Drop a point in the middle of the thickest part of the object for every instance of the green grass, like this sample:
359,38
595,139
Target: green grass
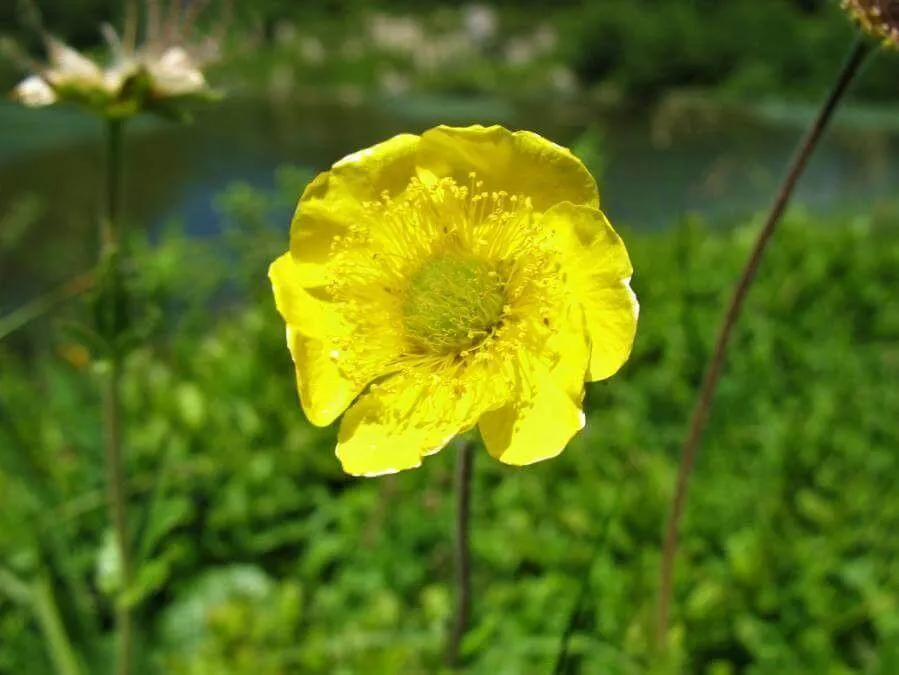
258,556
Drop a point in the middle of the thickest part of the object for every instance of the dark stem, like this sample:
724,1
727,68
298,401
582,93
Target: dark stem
112,404
461,552
850,68
109,223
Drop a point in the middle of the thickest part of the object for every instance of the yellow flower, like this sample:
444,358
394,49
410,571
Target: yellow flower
458,278
879,18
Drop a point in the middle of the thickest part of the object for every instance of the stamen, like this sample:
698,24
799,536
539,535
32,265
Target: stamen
442,276
453,301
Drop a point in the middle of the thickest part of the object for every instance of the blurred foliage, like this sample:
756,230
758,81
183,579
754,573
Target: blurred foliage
786,48
633,52
475,50
256,556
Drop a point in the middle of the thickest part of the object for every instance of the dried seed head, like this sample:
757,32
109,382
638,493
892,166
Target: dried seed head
879,18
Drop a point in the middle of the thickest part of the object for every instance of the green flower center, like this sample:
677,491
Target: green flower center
452,302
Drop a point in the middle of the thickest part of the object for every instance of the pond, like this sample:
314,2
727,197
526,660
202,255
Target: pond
657,168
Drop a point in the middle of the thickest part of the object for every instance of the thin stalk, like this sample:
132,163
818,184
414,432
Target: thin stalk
110,222
857,53
115,476
112,404
461,552
41,305
63,655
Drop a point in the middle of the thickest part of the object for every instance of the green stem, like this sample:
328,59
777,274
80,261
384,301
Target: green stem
461,552
109,223
115,476
859,50
110,263
61,652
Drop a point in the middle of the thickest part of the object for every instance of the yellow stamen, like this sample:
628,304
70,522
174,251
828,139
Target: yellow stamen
452,302
442,275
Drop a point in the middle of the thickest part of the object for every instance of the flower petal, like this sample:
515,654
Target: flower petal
570,342
334,201
68,66
34,92
175,73
324,392
387,166
519,163
306,313
397,422
599,272
585,235
611,315
311,326
540,423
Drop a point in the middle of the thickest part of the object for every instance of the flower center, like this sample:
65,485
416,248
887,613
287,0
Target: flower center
453,301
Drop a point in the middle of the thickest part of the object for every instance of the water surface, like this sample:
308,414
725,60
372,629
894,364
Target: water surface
654,172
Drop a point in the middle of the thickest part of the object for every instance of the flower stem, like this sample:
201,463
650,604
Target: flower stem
461,553
849,70
41,305
63,656
115,476
109,223
110,328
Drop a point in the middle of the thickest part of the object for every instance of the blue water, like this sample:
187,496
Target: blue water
652,173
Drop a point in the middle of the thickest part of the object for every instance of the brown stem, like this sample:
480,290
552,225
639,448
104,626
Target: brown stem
850,68
462,554
41,305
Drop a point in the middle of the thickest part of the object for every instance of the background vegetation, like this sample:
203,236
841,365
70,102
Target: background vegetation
264,559
259,557
623,52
